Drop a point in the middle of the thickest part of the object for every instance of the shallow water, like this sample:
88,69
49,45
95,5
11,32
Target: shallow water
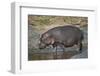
72,53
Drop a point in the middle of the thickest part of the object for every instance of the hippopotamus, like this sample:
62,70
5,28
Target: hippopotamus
63,36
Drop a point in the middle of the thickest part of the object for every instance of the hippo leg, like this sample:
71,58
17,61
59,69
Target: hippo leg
80,47
55,47
63,49
63,55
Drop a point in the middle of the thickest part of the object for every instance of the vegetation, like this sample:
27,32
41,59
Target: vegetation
42,21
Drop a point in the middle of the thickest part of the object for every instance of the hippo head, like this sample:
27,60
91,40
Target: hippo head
45,40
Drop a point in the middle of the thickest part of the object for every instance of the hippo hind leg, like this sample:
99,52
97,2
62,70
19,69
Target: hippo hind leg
80,47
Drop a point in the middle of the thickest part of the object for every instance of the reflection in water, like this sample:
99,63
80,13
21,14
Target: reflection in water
60,55
46,56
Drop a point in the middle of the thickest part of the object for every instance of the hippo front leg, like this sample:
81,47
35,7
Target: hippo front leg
63,51
55,48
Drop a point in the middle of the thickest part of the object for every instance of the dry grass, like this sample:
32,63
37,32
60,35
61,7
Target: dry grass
42,21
